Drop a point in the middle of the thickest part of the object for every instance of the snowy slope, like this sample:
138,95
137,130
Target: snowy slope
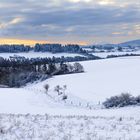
38,54
102,79
21,101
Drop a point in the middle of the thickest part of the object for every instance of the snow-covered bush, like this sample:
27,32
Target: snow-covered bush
78,67
70,68
122,100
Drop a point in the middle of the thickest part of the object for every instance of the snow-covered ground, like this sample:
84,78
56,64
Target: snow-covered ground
38,54
105,54
102,79
23,101
38,127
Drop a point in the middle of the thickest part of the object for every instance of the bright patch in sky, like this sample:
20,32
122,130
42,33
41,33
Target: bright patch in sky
106,2
75,1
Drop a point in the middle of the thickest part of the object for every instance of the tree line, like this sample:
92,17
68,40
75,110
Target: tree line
17,61
53,48
19,71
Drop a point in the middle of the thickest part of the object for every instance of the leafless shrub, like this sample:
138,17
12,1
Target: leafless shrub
46,87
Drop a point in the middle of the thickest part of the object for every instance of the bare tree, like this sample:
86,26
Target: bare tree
46,87
58,90
64,89
61,91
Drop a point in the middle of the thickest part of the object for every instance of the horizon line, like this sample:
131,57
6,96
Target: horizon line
13,41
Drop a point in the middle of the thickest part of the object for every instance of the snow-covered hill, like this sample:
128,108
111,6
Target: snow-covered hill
131,44
102,79
134,43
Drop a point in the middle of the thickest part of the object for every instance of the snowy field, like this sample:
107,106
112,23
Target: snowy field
38,54
38,127
82,115
105,54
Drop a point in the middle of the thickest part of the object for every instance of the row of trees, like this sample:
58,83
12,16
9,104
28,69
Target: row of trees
58,48
123,55
110,48
14,48
21,61
54,48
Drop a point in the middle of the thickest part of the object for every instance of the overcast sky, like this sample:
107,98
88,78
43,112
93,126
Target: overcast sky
84,21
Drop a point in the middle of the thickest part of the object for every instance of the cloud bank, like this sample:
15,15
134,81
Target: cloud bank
70,20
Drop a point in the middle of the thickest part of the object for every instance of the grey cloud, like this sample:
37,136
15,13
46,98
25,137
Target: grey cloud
64,19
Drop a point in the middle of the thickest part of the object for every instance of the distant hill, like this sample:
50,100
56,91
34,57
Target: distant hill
134,43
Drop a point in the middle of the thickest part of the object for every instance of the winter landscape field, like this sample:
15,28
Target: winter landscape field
82,115
69,69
